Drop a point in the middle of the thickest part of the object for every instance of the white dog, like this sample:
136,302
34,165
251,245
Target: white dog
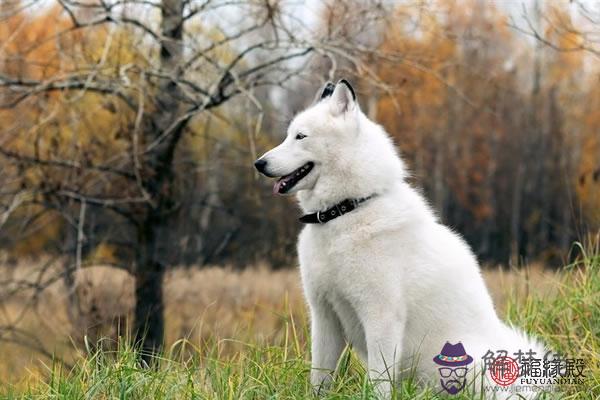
379,271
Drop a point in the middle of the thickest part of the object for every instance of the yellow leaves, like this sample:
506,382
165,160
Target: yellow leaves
220,54
30,44
588,187
564,36
79,127
39,227
463,83
103,254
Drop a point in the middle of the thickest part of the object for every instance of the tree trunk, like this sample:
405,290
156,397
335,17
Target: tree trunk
149,305
159,182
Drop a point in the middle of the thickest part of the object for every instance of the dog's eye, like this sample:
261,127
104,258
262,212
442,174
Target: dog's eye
300,136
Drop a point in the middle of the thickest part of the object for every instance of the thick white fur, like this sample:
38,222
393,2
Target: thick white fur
386,278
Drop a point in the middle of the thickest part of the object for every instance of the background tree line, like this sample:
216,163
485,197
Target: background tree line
129,127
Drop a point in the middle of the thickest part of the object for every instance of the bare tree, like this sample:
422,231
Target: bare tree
187,59
581,28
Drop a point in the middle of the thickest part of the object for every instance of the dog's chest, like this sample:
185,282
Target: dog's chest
328,262
330,279
327,259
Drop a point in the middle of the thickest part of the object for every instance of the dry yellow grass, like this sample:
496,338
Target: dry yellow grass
201,304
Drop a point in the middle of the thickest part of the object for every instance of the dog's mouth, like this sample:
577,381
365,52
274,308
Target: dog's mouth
287,182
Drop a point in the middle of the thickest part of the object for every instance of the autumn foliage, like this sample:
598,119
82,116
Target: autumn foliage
501,131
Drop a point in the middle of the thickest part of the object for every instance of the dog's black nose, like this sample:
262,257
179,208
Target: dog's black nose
260,165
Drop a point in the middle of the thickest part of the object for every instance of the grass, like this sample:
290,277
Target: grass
278,367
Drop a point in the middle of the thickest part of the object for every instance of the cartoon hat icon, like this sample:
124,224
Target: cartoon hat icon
453,355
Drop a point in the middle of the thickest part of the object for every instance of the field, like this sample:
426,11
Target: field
130,132
244,335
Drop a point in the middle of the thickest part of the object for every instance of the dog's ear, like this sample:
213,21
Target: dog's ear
343,98
324,92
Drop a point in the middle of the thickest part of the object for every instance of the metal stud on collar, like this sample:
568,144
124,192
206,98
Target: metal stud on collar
319,217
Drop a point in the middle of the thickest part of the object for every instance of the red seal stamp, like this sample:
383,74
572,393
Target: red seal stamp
504,371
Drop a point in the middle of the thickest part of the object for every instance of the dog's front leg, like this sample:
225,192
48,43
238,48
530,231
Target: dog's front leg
384,340
327,345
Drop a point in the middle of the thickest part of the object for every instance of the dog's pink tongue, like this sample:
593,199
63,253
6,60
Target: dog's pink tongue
277,186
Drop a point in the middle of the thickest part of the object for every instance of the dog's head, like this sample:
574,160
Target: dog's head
315,140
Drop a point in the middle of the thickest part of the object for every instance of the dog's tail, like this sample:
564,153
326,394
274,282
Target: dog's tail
529,352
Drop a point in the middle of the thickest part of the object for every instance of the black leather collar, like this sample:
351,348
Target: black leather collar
341,208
